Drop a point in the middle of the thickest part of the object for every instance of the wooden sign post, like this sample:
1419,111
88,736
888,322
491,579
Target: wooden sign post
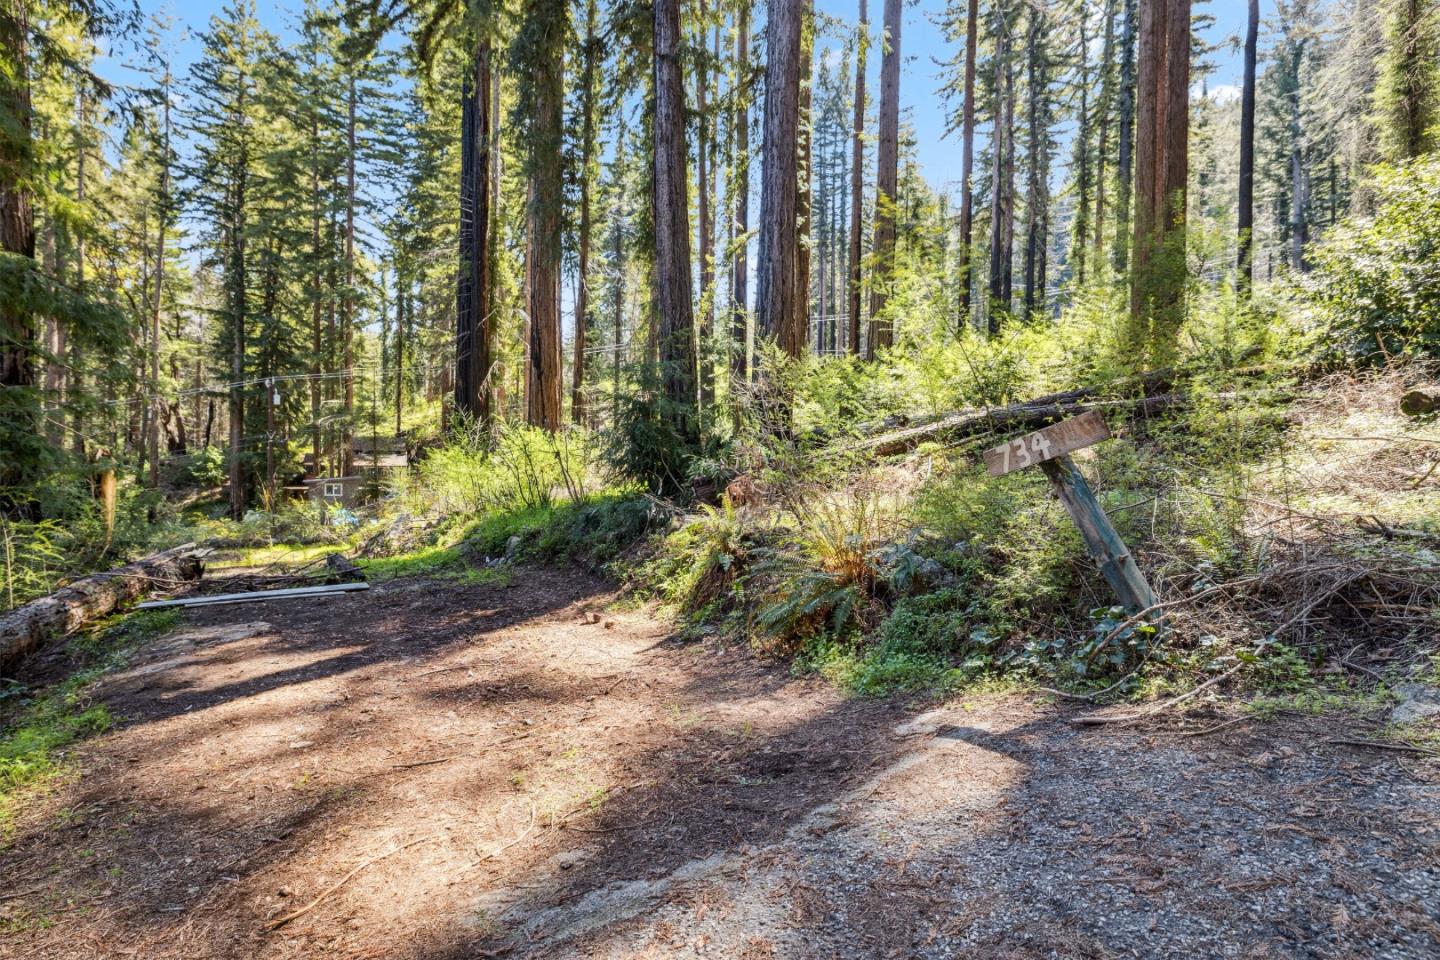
1049,449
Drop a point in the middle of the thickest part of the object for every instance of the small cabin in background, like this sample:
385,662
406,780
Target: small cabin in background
340,491
380,453
375,458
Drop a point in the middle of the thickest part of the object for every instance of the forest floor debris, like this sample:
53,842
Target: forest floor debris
710,805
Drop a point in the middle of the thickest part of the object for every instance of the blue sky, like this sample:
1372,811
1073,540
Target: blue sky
922,46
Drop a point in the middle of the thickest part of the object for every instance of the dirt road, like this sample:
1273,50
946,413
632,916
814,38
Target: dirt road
430,770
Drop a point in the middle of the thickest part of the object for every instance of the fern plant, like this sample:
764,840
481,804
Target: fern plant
829,570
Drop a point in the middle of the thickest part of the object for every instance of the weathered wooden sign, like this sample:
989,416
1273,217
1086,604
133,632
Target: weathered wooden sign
1053,441
1049,449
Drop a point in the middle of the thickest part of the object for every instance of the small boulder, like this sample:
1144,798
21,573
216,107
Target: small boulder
1420,400
1417,701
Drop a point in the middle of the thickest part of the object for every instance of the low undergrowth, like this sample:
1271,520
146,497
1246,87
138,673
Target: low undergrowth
1256,532
594,531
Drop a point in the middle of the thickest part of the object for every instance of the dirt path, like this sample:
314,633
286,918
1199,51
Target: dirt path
518,771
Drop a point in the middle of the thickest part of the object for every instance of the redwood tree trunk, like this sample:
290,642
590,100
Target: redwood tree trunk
797,340
587,159
887,175
347,439
1102,120
1245,216
669,181
1001,184
967,163
1125,147
739,316
19,422
546,188
777,286
857,181
705,227
1161,157
316,313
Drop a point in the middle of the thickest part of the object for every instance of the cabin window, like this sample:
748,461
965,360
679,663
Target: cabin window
334,490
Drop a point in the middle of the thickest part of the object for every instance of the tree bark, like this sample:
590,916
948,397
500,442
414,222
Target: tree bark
776,283
1102,118
544,397
75,385
1001,179
967,165
857,182
1081,229
1299,181
618,267
19,421
669,181
163,214
1161,157
705,228
739,315
347,439
402,326
1245,216
1037,91
578,411
238,309
317,337
887,175
804,228
1124,162
1030,414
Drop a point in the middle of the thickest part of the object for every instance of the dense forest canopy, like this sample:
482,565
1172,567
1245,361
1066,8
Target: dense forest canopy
231,247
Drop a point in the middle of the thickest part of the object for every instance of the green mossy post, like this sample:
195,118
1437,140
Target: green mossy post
1102,541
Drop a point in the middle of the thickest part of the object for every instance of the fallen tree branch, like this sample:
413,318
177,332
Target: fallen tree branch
1095,721
277,924
25,629
1383,745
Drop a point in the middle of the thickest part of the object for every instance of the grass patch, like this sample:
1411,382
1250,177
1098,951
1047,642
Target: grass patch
38,726
431,561
595,531
288,554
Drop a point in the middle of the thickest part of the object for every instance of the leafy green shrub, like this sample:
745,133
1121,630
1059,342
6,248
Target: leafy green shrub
1375,279
644,447
31,559
204,468
518,467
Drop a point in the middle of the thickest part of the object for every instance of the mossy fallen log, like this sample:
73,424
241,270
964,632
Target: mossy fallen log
1030,415
25,629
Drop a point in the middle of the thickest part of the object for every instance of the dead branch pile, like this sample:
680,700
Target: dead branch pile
337,568
24,629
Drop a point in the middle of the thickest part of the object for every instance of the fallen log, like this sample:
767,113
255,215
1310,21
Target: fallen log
25,629
1149,383
1030,415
